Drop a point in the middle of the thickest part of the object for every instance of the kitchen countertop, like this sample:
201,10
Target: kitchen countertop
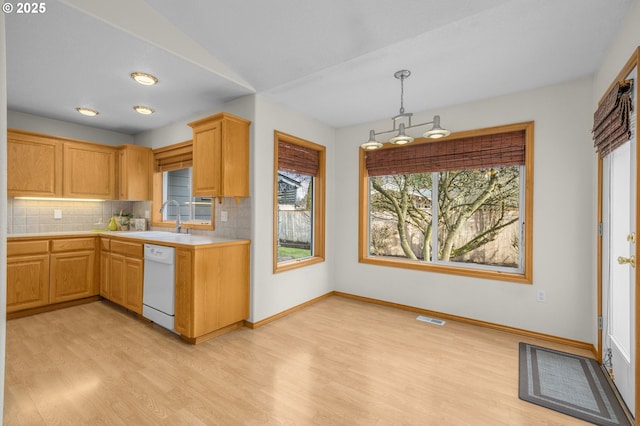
153,237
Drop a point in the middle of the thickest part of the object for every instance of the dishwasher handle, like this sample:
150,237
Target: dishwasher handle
159,254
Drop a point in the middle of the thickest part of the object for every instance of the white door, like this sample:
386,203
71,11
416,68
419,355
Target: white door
619,269
619,242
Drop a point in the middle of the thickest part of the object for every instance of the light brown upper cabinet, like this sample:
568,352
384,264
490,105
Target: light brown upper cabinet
34,165
221,156
47,166
135,165
89,171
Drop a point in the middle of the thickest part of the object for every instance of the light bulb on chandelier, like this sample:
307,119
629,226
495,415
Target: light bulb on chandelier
401,138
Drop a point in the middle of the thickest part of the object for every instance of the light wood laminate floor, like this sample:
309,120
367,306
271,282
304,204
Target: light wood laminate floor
338,361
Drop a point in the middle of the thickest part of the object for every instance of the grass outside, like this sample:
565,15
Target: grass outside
290,253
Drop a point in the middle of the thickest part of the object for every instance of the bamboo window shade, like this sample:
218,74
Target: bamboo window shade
475,152
294,158
174,157
611,121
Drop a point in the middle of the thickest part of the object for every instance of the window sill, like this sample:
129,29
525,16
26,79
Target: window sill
298,263
445,269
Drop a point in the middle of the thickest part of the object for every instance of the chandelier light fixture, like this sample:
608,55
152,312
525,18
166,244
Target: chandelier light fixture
402,122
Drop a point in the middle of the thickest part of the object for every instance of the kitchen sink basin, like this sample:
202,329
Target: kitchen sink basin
153,234
144,233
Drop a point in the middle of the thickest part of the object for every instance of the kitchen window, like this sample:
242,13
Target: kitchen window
299,175
462,205
172,180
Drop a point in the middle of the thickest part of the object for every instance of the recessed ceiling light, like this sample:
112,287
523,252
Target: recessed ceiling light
144,109
144,78
87,111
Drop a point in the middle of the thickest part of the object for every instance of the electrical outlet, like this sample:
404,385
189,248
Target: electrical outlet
224,216
146,214
541,296
57,213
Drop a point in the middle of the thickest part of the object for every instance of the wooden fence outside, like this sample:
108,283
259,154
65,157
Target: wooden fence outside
294,227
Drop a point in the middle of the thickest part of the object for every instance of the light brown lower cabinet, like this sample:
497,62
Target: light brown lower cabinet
133,284
27,274
45,274
105,266
125,274
73,269
212,290
183,293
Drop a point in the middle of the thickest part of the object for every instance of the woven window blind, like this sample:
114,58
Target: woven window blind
294,158
476,152
611,121
174,157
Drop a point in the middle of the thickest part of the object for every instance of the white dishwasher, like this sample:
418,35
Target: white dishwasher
158,297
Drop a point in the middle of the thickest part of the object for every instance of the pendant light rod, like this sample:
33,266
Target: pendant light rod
402,75
399,128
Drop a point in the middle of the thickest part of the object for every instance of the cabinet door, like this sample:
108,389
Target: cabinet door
233,296
34,165
117,270
133,285
183,294
135,172
221,156
235,157
89,171
207,159
72,276
27,282
105,265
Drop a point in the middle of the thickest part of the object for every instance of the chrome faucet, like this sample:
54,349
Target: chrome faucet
175,203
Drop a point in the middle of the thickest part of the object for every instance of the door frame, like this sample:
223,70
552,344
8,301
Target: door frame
634,61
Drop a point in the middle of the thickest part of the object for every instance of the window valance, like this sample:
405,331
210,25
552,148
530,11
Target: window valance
173,157
294,158
611,121
476,152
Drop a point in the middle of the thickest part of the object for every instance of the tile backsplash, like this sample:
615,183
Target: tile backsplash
33,216
36,216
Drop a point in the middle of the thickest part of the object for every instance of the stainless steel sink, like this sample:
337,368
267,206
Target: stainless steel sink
151,234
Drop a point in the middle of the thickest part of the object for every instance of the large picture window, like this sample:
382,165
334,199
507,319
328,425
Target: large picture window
298,202
461,205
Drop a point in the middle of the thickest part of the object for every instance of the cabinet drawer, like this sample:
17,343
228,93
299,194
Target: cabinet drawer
18,248
105,244
127,249
73,244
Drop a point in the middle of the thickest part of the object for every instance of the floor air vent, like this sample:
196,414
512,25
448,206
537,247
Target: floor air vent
430,320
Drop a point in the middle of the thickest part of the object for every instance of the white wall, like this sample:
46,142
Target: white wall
179,131
273,293
624,45
270,293
3,209
563,221
48,126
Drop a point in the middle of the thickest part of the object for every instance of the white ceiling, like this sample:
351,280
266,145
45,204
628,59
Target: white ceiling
332,60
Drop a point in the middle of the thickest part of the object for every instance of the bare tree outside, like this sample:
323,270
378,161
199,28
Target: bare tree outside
474,209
